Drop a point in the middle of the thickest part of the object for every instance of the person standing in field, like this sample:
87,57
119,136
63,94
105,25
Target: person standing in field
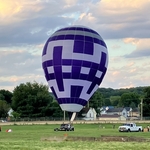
0,129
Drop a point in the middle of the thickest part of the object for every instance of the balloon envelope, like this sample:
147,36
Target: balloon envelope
74,61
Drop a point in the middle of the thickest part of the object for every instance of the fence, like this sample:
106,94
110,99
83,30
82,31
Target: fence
50,120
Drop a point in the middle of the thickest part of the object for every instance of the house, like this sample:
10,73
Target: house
129,111
134,114
114,114
89,114
117,111
111,113
10,112
111,117
104,109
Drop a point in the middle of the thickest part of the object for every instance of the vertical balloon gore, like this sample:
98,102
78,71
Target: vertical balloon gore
74,61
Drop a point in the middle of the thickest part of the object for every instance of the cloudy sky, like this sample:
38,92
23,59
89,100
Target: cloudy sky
25,26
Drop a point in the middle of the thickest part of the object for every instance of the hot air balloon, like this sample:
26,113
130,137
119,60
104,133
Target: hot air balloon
74,61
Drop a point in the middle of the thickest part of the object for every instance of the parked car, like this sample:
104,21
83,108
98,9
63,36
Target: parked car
3,120
65,127
130,127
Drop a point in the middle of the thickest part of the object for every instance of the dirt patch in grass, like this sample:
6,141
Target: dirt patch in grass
123,139
54,138
102,139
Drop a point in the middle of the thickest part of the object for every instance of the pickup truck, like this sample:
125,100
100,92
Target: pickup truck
130,127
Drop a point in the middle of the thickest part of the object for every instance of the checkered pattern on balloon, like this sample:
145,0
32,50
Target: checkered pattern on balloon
74,61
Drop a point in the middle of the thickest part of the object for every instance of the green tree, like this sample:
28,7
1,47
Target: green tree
133,105
31,100
56,110
4,108
106,102
7,95
128,98
146,102
2,97
15,115
115,100
96,101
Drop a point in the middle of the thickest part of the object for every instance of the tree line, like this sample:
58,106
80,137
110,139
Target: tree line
34,100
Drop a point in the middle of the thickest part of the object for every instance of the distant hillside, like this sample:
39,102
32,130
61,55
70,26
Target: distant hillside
107,92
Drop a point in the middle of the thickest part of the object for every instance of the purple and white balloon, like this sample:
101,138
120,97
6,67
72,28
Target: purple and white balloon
74,61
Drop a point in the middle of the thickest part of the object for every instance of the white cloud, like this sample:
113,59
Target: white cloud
119,18
131,73
142,48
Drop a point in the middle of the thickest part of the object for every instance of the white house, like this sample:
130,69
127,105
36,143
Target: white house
104,109
89,114
117,111
110,113
10,112
111,117
129,111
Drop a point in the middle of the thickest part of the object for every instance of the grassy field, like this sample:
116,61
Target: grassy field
29,137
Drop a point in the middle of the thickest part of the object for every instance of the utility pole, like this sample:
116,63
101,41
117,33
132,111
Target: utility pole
88,104
141,108
64,115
